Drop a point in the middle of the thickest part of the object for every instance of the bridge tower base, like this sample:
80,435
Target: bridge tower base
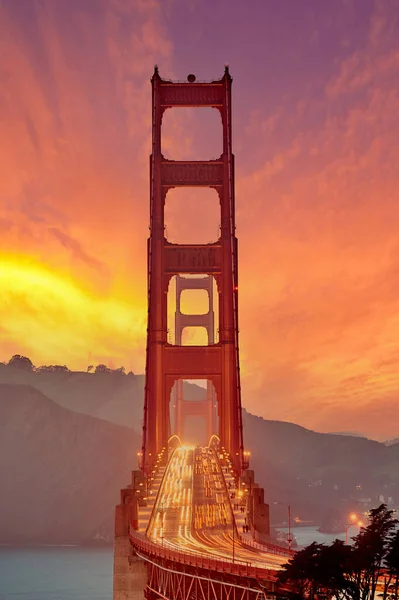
130,572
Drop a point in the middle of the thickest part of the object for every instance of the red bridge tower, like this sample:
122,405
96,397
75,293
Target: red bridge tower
217,362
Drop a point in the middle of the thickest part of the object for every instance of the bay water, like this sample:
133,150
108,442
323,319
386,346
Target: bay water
75,573
56,573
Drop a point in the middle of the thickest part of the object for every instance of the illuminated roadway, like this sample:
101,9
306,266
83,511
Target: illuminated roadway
193,511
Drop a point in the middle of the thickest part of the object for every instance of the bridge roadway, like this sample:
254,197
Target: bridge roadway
194,512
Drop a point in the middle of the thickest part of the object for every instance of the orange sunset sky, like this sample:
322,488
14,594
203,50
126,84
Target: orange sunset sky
316,140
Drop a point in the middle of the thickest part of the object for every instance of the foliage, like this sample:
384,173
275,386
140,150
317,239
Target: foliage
319,570
53,369
105,369
370,549
102,369
24,363
21,362
349,573
391,582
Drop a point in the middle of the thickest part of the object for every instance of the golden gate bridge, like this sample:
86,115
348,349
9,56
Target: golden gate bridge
192,523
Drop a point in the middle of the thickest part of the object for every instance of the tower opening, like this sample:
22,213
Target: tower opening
193,302
193,411
192,215
192,134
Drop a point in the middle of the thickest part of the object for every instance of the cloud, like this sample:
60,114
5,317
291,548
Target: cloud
316,141
323,214
76,249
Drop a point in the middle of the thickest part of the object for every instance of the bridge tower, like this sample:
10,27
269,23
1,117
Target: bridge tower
218,362
204,408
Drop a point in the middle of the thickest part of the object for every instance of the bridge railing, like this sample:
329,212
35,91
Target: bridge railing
157,497
199,560
267,547
262,547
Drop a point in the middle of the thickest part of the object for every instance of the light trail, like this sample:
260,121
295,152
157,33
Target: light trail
193,511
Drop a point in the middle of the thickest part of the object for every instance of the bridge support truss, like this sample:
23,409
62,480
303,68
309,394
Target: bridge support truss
217,362
167,580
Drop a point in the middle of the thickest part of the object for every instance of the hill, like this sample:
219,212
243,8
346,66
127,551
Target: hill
61,471
116,397
316,473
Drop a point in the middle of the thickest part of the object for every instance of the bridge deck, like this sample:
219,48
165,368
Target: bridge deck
193,519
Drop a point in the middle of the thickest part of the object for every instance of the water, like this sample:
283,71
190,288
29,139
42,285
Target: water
73,573
56,573
307,535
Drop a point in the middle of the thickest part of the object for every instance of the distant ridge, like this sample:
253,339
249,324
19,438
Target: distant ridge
392,442
351,433
61,470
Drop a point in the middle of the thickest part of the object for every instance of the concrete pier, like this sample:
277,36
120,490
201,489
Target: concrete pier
130,572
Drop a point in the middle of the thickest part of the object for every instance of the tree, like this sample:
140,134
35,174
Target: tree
299,572
391,584
370,550
102,369
21,362
333,571
105,369
321,571
53,369
349,573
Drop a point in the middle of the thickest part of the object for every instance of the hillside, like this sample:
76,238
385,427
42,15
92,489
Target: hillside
316,473
115,397
61,471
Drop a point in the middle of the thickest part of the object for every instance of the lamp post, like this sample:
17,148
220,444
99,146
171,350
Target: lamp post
233,534
289,539
162,511
354,521
135,507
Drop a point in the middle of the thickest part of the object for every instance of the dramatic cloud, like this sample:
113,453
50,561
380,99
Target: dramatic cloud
316,133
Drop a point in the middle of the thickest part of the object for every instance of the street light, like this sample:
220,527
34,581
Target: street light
289,539
135,507
233,533
354,521
162,511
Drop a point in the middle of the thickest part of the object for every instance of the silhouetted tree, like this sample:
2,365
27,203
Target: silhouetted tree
102,369
370,550
53,369
105,369
299,571
21,362
333,571
391,584
320,571
349,573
